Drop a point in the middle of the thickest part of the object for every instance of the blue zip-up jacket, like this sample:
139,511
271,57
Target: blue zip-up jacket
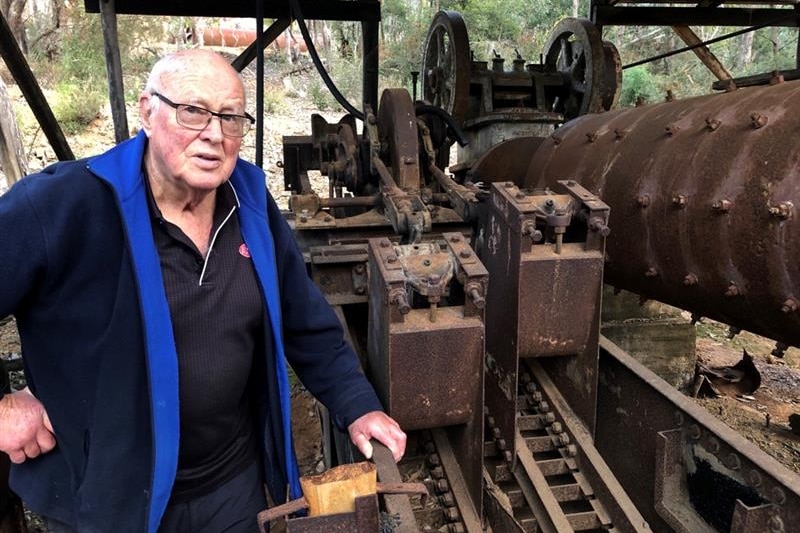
80,271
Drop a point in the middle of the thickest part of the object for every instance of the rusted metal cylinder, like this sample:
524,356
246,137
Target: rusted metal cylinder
704,197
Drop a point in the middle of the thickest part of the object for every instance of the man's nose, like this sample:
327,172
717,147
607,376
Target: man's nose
213,129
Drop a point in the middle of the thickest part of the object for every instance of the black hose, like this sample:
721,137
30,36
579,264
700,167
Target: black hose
427,109
298,15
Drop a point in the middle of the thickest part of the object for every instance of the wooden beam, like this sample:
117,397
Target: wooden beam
694,16
15,60
116,91
12,156
249,54
702,52
312,9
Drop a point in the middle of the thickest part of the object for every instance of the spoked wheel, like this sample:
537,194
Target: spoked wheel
446,64
590,68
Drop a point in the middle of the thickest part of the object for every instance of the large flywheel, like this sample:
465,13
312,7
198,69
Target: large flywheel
446,64
590,68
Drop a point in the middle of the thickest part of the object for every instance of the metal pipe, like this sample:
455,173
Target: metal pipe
704,196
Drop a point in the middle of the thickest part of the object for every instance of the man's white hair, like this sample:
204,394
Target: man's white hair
175,63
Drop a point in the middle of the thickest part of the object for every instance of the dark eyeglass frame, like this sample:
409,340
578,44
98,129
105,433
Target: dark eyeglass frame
222,116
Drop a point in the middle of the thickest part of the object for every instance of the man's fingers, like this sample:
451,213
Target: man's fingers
32,450
362,443
46,421
17,457
45,439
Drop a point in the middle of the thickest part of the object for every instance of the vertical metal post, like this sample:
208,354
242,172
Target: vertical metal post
369,50
116,91
259,84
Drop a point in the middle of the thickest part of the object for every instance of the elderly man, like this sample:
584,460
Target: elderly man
158,294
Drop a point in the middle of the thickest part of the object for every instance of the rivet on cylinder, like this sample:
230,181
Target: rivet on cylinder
722,206
690,279
782,210
778,496
556,140
734,463
620,134
790,305
672,129
712,124
732,290
591,137
679,201
757,120
643,200
651,272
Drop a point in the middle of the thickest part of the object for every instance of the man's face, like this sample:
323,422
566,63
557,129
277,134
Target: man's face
183,158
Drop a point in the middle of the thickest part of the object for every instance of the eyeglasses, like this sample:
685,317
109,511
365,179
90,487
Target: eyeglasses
198,118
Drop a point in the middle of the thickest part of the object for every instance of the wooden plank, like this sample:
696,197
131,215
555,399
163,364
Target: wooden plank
312,9
702,52
12,155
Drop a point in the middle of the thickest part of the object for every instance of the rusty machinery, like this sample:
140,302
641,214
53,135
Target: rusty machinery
473,296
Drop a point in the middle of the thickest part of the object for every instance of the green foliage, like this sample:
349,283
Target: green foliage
274,99
638,85
321,97
76,105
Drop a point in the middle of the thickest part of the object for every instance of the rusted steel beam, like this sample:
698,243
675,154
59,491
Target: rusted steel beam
637,448
711,232
15,60
702,52
396,504
116,91
470,516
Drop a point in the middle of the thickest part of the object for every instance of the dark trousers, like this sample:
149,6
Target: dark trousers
232,508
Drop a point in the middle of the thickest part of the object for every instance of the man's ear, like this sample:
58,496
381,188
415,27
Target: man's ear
145,112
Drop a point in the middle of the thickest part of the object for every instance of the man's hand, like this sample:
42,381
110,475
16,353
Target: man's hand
379,426
25,430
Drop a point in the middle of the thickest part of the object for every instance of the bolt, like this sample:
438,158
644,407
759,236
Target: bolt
754,477
563,439
732,290
651,272
591,137
549,418
778,496
757,120
672,129
544,406
620,134
501,444
643,200
776,78
571,183
442,485
433,459
490,421
679,201
694,432
303,219
392,259
530,387
775,524
690,280
782,210
536,396
437,472
447,499
713,445
572,450
734,463
678,418
712,124
508,456
509,185
451,513
360,268
599,225
455,238
496,432
723,206
371,119
556,427
790,305
520,195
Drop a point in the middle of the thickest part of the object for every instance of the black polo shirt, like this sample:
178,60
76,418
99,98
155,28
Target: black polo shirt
218,318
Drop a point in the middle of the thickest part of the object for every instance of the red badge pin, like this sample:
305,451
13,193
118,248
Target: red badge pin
244,251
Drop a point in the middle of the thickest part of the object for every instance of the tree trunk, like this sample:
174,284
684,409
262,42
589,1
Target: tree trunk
14,11
745,56
575,5
12,156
